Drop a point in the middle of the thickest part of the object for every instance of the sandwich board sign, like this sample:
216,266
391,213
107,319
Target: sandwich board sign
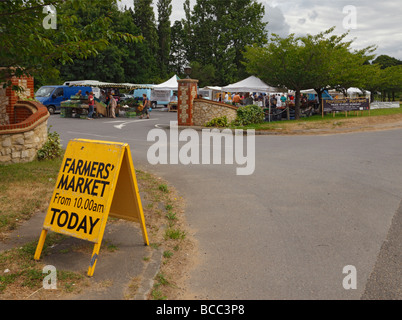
96,180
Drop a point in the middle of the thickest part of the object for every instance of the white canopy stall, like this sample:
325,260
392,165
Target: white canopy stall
164,92
170,84
250,84
209,92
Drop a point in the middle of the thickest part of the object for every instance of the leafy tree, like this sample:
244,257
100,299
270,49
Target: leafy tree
26,47
218,32
313,61
164,35
177,57
205,74
389,79
284,62
144,18
392,81
350,68
386,61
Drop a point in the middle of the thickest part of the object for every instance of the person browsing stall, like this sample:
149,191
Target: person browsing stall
112,105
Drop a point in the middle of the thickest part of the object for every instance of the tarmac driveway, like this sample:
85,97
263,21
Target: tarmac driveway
313,205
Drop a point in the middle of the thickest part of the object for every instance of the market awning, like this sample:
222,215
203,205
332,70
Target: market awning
170,84
251,84
99,84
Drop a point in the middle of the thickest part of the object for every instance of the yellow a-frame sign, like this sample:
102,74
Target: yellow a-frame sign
96,180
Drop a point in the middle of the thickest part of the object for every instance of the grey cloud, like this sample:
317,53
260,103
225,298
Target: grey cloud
276,20
313,15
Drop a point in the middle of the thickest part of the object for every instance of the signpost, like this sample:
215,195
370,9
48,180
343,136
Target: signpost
347,104
96,180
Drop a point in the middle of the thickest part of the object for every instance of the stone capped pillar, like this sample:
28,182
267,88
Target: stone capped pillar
187,92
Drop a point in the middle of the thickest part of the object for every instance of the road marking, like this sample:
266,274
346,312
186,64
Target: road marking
120,126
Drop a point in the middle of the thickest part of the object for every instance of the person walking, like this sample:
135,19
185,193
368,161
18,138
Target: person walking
146,105
91,105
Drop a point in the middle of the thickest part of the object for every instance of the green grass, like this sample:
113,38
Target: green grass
25,188
27,273
328,118
163,188
35,171
174,234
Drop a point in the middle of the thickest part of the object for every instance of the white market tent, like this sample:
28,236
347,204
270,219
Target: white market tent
353,92
251,84
170,84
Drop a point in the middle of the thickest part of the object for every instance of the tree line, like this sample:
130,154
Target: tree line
222,41
100,40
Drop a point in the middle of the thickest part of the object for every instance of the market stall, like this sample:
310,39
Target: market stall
251,84
79,107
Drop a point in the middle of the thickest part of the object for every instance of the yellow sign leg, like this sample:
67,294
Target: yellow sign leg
41,242
94,258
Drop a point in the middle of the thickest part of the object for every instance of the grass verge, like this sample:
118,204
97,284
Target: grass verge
21,277
168,232
331,121
27,188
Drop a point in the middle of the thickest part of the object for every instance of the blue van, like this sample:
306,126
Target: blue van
51,96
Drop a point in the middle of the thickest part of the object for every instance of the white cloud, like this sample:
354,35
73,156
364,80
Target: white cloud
276,20
378,22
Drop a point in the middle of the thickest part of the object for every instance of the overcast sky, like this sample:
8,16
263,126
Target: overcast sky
369,21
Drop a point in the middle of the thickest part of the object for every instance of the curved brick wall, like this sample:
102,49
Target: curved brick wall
25,133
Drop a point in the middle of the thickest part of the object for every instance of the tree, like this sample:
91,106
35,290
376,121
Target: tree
350,68
392,81
164,35
386,61
313,61
177,57
41,50
284,62
218,32
389,82
144,18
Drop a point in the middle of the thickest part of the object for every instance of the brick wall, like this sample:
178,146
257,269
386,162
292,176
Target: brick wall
27,84
23,124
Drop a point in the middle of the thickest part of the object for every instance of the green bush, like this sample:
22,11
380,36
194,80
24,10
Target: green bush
248,115
52,148
218,122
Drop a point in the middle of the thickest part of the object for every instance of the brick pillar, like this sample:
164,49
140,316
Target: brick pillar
27,83
187,92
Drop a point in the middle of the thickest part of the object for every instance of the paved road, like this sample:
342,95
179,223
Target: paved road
313,205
